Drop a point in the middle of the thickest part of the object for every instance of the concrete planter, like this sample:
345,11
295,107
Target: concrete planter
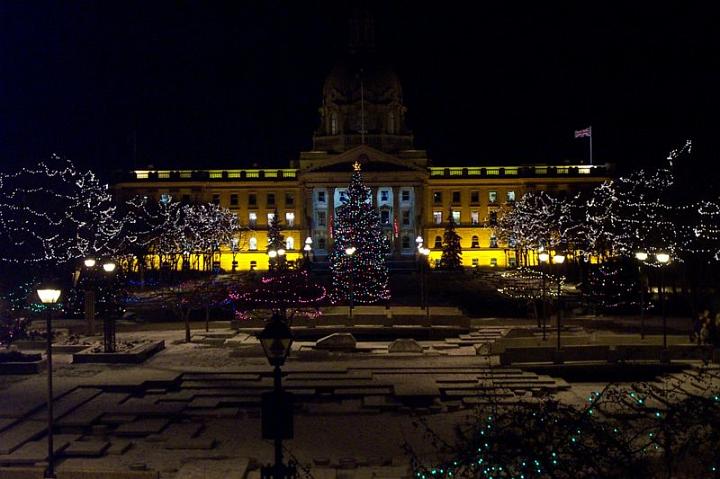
32,366
136,355
42,345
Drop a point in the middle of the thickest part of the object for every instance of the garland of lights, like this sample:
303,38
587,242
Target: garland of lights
363,275
281,289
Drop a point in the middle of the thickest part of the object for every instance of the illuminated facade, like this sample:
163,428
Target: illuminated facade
362,118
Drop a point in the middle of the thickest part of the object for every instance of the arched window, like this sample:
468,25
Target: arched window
289,243
493,242
475,242
253,243
333,123
438,242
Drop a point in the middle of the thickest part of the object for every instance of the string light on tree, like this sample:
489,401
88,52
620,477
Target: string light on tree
363,274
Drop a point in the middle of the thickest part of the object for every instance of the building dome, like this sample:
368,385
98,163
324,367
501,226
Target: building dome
380,83
362,104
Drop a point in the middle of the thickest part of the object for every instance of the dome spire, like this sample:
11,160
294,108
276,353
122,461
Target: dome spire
362,30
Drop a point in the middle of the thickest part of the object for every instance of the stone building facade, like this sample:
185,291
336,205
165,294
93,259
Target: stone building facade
363,118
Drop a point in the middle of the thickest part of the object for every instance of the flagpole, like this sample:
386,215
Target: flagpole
591,145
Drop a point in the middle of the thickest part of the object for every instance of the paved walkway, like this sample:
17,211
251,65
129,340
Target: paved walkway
194,409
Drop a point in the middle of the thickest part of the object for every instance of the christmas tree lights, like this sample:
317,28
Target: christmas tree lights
363,274
56,215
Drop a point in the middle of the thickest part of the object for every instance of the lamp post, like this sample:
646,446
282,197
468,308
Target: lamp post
419,243
544,257
641,256
109,342
663,259
234,249
49,295
272,255
90,295
307,249
425,252
276,340
558,259
350,251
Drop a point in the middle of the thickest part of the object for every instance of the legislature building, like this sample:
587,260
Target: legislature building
363,119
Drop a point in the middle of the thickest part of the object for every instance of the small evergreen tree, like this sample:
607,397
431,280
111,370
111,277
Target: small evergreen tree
275,237
451,258
364,274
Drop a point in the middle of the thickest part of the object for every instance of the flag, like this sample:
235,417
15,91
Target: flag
586,132
396,228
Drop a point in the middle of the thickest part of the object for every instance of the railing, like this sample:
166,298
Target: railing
250,174
522,171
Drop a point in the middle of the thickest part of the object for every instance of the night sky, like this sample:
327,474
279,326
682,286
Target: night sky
232,84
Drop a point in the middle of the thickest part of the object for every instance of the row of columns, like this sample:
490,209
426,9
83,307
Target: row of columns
396,241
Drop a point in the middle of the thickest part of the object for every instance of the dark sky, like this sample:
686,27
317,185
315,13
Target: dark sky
230,84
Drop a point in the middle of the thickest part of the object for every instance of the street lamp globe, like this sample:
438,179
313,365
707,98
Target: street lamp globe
544,257
109,267
662,258
641,256
559,259
48,294
281,252
350,250
276,340
89,262
308,240
419,241
307,247
425,251
272,253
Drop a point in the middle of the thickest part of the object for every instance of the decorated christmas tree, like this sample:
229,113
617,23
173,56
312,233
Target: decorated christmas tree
451,258
275,237
364,273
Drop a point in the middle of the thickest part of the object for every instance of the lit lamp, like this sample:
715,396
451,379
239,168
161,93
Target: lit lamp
419,241
49,295
350,250
544,257
308,241
281,252
109,267
89,263
663,259
558,258
641,256
307,248
272,254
